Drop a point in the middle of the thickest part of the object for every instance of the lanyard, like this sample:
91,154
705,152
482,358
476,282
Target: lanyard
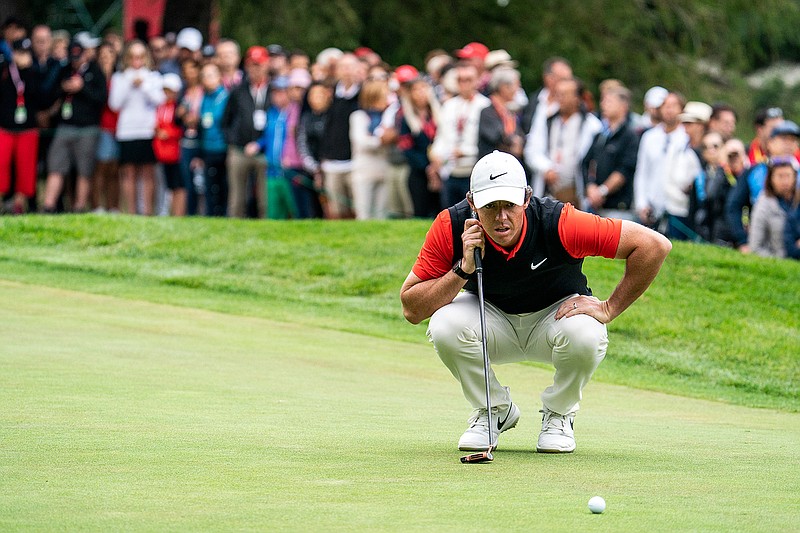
18,83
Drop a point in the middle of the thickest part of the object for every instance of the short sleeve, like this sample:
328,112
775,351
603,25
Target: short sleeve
584,234
435,258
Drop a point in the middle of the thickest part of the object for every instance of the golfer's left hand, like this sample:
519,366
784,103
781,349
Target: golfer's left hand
584,305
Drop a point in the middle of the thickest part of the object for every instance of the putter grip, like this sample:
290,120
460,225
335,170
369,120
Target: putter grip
478,260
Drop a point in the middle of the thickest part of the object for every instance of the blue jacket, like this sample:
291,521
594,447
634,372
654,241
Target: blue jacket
744,195
791,234
271,141
212,108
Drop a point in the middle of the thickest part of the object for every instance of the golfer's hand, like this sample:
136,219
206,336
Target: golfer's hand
584,305
472,238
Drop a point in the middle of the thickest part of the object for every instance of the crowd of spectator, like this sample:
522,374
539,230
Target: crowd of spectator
177,126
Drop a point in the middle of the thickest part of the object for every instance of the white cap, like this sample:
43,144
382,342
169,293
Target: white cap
85,39
497,58
189,38
498,177
170,80
696,112
329,54
655,96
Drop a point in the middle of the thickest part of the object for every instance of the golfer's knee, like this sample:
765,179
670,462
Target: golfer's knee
582,339
451,330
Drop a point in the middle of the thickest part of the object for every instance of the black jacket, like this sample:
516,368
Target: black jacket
8,97
336,141
616,153
237,120
491,132
88,103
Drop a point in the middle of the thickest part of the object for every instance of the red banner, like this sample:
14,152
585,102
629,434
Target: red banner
148,11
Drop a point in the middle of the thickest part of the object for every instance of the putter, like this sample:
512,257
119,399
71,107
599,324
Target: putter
482,457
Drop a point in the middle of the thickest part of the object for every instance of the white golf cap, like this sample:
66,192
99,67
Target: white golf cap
189,38
655,96
171,81
85,39
498,177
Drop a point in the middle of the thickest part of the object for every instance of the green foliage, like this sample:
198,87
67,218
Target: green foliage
713,324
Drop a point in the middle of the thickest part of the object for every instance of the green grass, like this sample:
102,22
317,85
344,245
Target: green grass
715,325
119,415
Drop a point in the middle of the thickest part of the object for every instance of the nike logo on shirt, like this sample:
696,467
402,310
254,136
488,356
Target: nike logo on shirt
537,265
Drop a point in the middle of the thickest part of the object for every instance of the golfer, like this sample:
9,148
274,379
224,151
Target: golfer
538,304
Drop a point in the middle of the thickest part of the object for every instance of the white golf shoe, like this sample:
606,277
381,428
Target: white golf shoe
476,437
557,435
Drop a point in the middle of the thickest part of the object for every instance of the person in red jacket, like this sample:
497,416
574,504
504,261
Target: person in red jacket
538,304
166,143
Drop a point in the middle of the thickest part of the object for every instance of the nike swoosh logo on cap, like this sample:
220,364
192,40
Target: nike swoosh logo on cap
537,265
495,177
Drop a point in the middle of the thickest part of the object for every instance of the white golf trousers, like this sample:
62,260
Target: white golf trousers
575,346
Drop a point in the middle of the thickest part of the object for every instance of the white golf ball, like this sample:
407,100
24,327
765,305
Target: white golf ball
597,504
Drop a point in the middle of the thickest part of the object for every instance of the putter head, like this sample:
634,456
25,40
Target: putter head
480,457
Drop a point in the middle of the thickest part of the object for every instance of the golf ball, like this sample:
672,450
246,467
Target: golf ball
597,505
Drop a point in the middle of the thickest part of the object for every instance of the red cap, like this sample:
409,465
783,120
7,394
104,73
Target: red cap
473,50
257,55
406,73
362,51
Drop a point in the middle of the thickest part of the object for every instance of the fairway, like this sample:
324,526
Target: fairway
118,414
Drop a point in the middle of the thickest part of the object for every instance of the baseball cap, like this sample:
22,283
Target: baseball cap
276,50
498,176
257,54
473,50
172,81
497,58
695,112
189,38
769,113
406,73
86,39
363,51
21,45
655,96
787,127
281,82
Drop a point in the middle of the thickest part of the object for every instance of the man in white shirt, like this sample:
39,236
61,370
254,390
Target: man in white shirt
660,149
556,147
455,149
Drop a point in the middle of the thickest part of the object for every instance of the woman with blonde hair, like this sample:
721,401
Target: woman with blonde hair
136,93
370,155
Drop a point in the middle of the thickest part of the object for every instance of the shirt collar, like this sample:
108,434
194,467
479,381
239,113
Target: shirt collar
510,254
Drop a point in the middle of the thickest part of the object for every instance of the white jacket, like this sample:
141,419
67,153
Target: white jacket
458,129
136,105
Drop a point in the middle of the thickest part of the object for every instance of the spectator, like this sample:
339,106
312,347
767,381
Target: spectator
280,202
105,182
766,119
81,89
708,194
659,147
695,117
499,125
610,163
335,148
60,51
324,66
212,141
135,93
558,145
20,100
723,121
163,63
13,30
768,220
188,113
437,62
46,67
475,54
455,148
310,133
418,117
791,234
228,56
398,201
167,143
783,142
298,59
651,117
244,121
370,154
542,103
278,61
114,39
301,183
189,43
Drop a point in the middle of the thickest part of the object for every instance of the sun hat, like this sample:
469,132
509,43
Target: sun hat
498,176
696,112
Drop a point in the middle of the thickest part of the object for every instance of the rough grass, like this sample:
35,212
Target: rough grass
714,325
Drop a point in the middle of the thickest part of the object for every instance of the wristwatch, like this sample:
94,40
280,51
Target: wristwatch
460,273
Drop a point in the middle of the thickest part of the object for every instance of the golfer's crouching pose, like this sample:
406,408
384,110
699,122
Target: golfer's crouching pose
538,304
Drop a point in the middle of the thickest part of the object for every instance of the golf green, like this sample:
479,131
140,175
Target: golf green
125,415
